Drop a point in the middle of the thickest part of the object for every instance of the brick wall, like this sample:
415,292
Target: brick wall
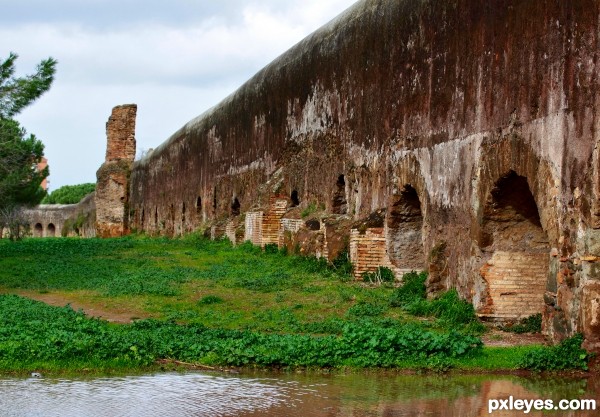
271,221
253,227
368,251
120,132
230,231
516,284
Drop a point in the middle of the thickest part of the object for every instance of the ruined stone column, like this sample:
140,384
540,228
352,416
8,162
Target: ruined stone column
112,196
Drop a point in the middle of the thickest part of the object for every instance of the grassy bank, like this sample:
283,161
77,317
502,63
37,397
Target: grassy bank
204,302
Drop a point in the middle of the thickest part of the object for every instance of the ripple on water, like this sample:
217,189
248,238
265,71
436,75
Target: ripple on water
153,395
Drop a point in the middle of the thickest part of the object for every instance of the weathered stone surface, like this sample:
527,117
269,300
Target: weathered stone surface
485,111
112,186
590,314
55,220
120,133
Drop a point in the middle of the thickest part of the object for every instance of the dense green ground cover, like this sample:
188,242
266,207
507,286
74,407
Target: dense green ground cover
215,304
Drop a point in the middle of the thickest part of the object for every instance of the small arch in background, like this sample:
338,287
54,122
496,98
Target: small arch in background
38,230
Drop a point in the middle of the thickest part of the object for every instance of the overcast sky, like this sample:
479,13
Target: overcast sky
173,58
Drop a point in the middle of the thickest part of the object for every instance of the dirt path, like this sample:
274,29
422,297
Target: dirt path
117,314
496,337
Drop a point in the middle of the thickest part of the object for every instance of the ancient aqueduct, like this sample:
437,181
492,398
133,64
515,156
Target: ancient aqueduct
461,137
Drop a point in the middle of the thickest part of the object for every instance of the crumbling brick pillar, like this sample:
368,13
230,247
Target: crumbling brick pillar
112,184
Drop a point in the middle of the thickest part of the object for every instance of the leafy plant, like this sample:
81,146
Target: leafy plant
32,331
365,309
567,355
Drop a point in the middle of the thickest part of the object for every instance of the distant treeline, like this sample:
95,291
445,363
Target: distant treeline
69,194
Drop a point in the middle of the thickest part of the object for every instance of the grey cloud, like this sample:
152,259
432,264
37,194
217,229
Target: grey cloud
110,14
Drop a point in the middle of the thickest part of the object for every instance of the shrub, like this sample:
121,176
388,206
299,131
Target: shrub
449,308
531,324
310,209
271,248
341,264
567,355
413,289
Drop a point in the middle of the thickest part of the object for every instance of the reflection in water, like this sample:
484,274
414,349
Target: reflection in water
196,394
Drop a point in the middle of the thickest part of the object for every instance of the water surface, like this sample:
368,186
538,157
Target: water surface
203,394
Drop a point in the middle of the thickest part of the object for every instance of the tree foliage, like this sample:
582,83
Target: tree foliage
18,93
69,194
20,178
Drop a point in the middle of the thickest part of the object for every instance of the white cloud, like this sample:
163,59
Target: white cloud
174,70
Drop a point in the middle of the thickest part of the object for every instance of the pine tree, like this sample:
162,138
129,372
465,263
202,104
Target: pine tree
20,153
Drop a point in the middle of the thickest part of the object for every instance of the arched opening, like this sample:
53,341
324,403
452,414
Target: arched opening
235,207
198,206
143,219
405,231
51,230
183,213
340,205
516,249
156,217
38,230
171,225
295,199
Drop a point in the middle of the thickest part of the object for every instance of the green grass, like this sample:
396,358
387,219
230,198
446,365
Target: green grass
216,304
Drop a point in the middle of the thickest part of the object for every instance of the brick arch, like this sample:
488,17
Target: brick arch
38,230
512,154
512,231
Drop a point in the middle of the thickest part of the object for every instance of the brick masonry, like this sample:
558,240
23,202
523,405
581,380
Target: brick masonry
271,222
112,186
368,251
517,283
253,227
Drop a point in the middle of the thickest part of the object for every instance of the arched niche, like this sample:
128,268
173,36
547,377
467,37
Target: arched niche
516,248
404,226
38,230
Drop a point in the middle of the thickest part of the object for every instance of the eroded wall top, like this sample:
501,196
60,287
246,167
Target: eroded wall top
120,133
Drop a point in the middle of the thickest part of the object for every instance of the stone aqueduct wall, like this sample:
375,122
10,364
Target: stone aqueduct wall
459,137
470,127
55,220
